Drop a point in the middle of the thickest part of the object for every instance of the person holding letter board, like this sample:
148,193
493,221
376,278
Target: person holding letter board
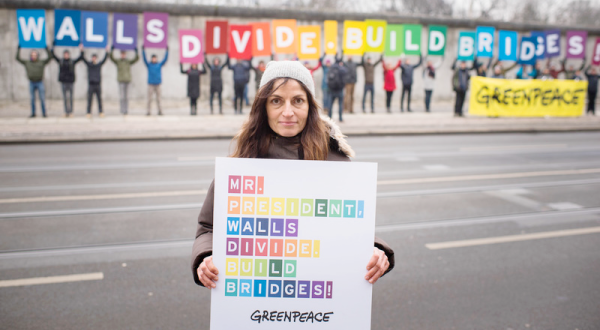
66,77
35,72
123,75
193,85
216,81
460,84
284,123
94,80
154,78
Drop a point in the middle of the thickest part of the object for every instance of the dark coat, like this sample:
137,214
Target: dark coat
66,68
94,74
281,148
216,81
193,85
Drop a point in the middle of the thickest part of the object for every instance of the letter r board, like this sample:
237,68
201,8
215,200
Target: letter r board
299,248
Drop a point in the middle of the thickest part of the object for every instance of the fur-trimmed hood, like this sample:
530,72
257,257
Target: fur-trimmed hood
336,135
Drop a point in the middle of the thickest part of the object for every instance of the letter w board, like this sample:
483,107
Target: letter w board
292,250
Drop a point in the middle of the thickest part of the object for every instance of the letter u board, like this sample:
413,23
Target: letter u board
292,250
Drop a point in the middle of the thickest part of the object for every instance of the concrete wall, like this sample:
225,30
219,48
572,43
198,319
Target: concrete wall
14,83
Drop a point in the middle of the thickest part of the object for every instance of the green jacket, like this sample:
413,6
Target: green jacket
124,67
35,70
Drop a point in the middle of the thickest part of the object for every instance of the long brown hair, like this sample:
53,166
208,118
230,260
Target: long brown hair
255,137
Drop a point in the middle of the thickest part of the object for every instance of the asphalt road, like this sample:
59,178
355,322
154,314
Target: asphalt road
490,232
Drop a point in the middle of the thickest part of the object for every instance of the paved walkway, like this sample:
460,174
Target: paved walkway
115,127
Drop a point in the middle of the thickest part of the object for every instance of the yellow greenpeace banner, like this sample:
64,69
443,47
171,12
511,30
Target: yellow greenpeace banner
527,98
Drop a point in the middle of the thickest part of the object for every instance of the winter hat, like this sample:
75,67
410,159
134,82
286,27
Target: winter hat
288,69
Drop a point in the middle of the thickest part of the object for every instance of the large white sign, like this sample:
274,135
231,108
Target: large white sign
291,241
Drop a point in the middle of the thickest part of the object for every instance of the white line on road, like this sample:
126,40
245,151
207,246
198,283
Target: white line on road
104,196
490,176
100,210
52,280
518,147
512,238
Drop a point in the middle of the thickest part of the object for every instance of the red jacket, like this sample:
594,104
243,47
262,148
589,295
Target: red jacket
389,79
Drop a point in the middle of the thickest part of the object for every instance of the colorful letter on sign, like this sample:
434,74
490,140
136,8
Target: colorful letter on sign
540,50
466,46
527,51
354,37
576,41
156,30
239,41
596,53
309,42
331,37
552,43
261,39
32,28
190,46
507,46
67,27
485,41
94,29
284,32
125,31
375,37
412,39
394,40
216,37
437,40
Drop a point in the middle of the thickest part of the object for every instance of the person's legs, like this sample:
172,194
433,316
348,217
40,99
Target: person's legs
365,89
593,101
149,104
246,95
591,108
220,101
32,89
239,96
340,98
122,87
402,98
460,98
351,105
64,92
326,101
194,105
409,89
70,101
372,91
89,99
210,100
347,97
330,100
99,98
42,93
388,100
427,99
157,88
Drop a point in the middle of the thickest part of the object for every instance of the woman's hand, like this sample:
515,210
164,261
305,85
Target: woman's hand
377,266
207,273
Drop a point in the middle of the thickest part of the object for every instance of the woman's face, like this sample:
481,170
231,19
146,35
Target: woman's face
287,108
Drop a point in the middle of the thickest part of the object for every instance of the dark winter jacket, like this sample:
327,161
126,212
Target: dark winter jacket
460,80
280,148
592,81
407,72
351,68
241,71
94,74
216,80
193,85
66,68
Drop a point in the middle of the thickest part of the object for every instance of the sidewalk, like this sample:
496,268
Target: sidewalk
178,124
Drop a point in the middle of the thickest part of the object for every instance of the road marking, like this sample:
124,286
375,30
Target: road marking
192,158
518,147
436,167
103,210
104,196
520,218
512,238
514,196
565,206
490,176
108,185
408,159
52,280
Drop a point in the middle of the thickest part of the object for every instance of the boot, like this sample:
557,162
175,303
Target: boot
388,110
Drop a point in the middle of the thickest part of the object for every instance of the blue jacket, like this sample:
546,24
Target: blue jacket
155,69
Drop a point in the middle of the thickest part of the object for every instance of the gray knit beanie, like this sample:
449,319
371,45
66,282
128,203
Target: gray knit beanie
288,69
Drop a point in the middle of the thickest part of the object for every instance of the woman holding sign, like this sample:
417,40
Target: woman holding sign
284,123
193,85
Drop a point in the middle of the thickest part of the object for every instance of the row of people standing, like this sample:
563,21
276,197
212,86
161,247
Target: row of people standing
34,68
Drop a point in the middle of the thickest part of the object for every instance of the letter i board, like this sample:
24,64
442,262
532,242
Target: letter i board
291,241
